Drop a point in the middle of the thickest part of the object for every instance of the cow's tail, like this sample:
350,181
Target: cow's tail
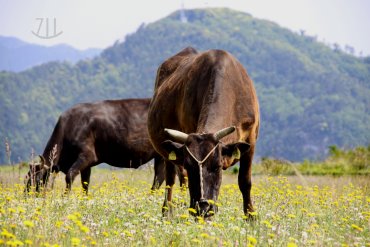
54,147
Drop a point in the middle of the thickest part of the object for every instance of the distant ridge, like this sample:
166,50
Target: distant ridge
17,55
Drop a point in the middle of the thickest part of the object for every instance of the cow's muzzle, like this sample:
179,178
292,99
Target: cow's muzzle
204,208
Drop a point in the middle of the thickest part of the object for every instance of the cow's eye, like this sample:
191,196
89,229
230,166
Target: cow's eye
214,168
190,164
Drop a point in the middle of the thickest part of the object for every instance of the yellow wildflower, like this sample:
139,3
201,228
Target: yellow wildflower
197,241
200,220
267,224
11,210
72,217
28,223
192,210
253,213
21,210
75,241
58,223
127,233
28,242
252,240
356,227
84,229
291,244
152,240
7,234
291,216
184,216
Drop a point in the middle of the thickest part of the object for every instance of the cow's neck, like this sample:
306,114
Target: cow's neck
217,111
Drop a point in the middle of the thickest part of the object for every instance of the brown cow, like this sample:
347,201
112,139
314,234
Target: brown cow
112,132
207,105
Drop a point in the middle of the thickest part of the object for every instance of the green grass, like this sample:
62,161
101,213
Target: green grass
339,162
120,210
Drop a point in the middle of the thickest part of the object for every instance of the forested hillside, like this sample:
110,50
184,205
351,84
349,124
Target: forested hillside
310,95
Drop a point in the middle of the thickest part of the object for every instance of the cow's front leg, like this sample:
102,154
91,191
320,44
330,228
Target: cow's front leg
245,181
85,179
159,172
167,209
84,161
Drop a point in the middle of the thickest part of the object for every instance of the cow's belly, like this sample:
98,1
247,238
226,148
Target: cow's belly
127,162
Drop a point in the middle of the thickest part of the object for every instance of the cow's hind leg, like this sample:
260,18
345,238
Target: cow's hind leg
167,209
84,160
183,177
159,173
85,178
245,180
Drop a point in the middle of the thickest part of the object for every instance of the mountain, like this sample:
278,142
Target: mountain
16,55
310,96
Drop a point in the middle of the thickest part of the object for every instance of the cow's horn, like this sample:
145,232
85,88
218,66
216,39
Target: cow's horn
224,132
42,160
177,135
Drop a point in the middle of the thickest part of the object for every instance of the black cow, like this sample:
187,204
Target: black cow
204,116
111,131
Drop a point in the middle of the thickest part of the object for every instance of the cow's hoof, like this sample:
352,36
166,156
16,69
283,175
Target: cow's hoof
167,211
250,216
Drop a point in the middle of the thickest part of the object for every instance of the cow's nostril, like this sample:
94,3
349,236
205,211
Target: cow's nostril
204,203
202,207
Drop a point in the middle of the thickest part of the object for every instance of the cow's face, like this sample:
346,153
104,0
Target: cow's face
202,161
203,156
37,175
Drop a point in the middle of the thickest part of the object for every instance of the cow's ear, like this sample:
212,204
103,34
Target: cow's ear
42,160
174,151
43,164
235,150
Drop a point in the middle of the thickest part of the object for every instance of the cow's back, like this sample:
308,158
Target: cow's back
115,129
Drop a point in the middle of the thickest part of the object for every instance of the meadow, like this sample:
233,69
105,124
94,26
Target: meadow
120,210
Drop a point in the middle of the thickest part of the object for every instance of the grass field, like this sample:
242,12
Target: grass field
120,210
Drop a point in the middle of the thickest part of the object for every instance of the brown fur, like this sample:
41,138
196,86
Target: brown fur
111,131
201,93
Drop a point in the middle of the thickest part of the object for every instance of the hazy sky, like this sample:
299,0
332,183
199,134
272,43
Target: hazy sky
98,23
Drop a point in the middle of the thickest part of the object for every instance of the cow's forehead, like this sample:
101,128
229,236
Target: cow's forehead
201,147
201,144
204,137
